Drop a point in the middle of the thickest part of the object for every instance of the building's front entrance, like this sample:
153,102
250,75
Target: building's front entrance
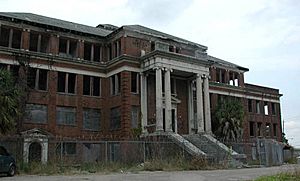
173,120
35,152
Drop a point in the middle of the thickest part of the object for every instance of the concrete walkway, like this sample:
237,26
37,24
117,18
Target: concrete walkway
216,175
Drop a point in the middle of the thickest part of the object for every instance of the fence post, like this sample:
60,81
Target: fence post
144,153
106,159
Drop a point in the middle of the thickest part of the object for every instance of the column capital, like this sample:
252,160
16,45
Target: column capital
158,68
168,69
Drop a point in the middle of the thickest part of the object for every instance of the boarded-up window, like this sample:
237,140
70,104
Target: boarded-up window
134,116
67,148
66,115
91,119
115,118
36,113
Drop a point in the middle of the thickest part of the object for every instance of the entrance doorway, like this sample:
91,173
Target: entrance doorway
35,152
173,120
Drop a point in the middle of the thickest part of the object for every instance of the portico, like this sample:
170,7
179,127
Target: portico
196,73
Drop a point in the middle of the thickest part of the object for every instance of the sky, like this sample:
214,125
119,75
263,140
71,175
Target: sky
261,35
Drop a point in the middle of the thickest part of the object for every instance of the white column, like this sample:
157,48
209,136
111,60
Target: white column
199,104
168,103
190,107
207,105
159,108
144,111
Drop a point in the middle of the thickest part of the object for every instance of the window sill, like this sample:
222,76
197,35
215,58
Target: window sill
66,94
89,96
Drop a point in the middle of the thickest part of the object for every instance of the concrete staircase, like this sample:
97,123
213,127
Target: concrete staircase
186,144
214,149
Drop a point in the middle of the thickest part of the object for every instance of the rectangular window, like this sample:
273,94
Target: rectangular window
36,113
114,151
273,106
115,84
62,46
266,108
115,118
258,107
134,116
91,119
67,47
66,116
66,82
134,82
274,130
37,79
16,40
34,42
68,148
97,52
87,51
91,85
249,105
4,36
259,129
252,128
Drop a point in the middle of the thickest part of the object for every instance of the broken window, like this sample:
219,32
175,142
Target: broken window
252,128
115,118
266,108
87,51
91,119
134,82
66,115
258,107
273,108
66,82
16,39
259,129
115,84
38,42
37,79
274,130
249,105
36,113
134,116
4,36
66,148
91,85
67,47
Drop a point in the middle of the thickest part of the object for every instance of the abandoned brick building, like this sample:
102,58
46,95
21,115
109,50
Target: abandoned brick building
100,82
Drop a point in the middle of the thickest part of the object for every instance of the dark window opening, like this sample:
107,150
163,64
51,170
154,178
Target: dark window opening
177,50
71,83
87,51
4,38
268,129
73,48
16,40
171,48
97,49
249,105
33,44
109,52
61,82
152,46
62,46
258,107
44,43
115,84
252,128
86,85
134,82
275,130
259,129
3,66
43,79
96,86
273,108
14,69
31,78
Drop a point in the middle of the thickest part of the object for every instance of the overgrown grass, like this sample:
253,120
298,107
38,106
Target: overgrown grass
175,164
288,176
